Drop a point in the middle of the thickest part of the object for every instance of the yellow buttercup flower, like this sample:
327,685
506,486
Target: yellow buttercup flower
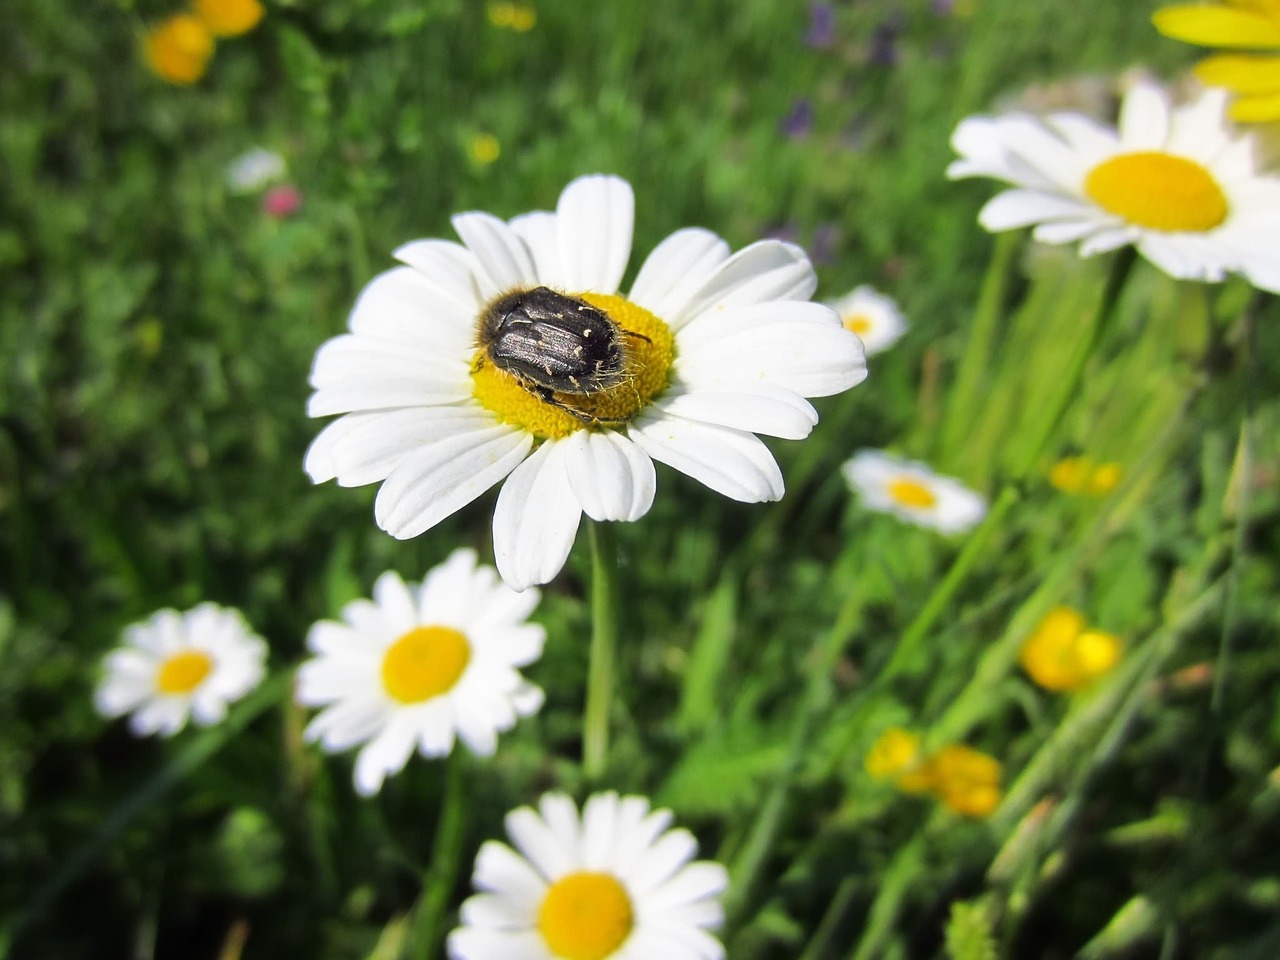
178,50
896,756
1085,475
1235,24
229,18
483,149
1064,655
967,781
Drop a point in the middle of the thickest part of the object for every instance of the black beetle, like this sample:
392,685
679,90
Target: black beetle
553,343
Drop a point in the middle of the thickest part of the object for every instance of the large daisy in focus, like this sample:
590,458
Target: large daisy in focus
613,884
443,380
1178,184
178,666
912,492
421,665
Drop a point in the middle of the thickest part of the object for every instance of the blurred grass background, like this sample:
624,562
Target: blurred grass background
156,333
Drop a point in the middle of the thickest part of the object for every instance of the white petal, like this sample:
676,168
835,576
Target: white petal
1019,208
505,262
539,233
476,943
444,477
773,411
497,913
358,356
730,462
612,478
561,817
345,724
697,881
447,266
387,753
1144,118
594,219
500,870
1108,238
535,840
396,602
404,305
766,270
672,851
1065,231
678,267
536,519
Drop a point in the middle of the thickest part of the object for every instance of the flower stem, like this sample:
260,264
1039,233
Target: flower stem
604,642
439,878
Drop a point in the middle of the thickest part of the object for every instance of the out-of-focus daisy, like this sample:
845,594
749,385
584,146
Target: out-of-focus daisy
896,756
229,18
255,169
174,666
1178,184
1239,24
178,49
912,492
420,665
613,884
967,781
1062,654
1076,475
707,350
873,316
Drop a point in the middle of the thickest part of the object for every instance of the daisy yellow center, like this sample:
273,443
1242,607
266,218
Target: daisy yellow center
911,493
1158,191
648,349
424,663
183,672
585,916
858,323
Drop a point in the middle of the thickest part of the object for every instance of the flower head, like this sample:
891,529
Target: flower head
281,201
912,492
483,149
178,50
229,18
1241,24
613,884
896,756
873,316
967,781
822,26
174,666
1176,183
255,169
520,17
421,664
474,364
1076,475
1063,655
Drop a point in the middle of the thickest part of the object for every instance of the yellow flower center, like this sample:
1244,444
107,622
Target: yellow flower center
648,351
183,672
858,323
585,916
911,493
424,663
1158,191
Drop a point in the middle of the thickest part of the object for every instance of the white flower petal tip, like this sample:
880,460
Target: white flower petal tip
637,878
174,667
874,317
421,667
430,408
912,492
1178,183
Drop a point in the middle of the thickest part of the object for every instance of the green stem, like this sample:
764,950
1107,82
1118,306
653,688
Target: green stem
604,642
440,876
836,909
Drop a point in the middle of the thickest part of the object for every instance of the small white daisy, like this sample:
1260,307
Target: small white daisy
707,350
1179,184
873,316
616,884
419,665
178,665
255,169
912,492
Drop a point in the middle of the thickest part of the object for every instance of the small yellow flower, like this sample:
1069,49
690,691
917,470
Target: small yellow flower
483,149
523,18
967,781
1241,24
1062,655
1077,475
178,50
520,17
896,756
229,18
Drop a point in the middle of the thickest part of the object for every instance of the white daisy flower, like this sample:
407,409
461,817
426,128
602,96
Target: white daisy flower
255,169
178,665
419,665
1178,184
912,492
616,884
706,350
873,316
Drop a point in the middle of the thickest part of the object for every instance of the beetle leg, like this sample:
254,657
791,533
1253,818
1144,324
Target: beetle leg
548,396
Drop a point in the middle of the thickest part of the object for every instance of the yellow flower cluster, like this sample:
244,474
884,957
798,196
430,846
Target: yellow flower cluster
965,780
1063,654
178,50
1085,475
520,17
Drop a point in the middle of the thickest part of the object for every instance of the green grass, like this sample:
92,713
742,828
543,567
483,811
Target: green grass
155,336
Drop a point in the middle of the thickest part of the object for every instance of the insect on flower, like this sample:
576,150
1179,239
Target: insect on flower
553,343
